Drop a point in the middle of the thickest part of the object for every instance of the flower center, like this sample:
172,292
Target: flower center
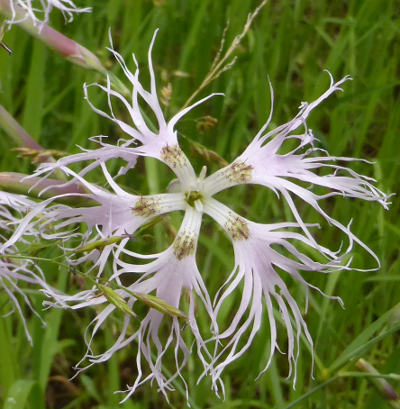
192,197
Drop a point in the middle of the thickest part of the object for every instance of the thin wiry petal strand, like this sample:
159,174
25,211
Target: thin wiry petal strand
117,215
262,163
13,201
39,10
116,218
96,157
15,276
16,272
266,255
155,140
265,162
257,263
168,277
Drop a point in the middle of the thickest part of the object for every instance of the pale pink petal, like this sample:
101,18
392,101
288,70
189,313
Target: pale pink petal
257,263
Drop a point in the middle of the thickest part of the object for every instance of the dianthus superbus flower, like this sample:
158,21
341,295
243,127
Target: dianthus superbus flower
262,251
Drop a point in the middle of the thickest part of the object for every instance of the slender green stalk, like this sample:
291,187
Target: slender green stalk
18,134
221,63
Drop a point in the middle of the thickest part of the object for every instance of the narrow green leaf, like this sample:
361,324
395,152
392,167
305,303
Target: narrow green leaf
362,343
7,356
159,305
99,244
18,394
115,299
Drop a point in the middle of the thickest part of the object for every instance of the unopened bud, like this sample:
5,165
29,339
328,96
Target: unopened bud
115,299
99,244
159,305
382,385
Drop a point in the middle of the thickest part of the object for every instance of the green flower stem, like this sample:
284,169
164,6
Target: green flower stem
26,144
18,134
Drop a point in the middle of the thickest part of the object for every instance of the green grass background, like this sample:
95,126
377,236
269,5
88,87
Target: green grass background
291,42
